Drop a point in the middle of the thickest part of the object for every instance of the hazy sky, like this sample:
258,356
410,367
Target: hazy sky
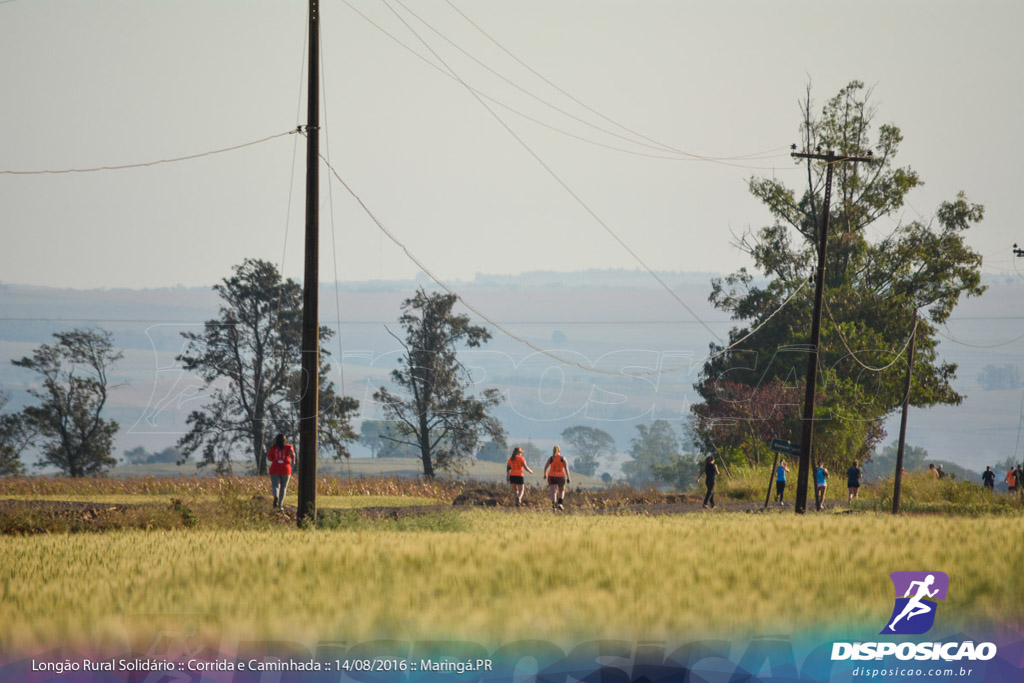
89,83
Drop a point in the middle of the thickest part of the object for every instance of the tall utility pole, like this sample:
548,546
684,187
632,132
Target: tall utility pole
308,403
897,485
831,159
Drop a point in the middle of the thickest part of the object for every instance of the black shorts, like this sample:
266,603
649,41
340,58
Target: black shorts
513,479
556,481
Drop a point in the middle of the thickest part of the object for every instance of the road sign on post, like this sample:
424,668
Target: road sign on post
785,447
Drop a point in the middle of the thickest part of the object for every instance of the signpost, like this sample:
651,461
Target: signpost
785,447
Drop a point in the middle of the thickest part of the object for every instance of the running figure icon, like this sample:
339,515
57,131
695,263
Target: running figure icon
915,606
917,595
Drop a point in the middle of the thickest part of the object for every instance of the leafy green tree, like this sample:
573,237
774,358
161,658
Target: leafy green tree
334,417
883,464
679,471
72,393
588,444
15,437
430,406
872,287
742,420
653,446
250,359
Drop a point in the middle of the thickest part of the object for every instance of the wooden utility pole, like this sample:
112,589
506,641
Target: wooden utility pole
897,485
771,480
830,159
308,403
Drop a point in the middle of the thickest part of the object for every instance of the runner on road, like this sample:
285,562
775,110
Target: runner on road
514,473
556,471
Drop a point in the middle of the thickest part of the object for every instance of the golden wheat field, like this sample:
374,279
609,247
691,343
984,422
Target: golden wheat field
493,576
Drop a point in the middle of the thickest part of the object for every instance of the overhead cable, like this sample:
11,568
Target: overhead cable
554,175
443,285
145,164
979,346
669,156
646,143
655,143
334,242
854,355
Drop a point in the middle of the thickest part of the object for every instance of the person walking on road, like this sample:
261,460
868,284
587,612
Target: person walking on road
853,476
820,483
556,471
710,474
780,481
988,478
514,474
282,459
1011,481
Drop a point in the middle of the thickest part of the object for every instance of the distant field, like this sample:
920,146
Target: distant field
336,502
489,576
476,470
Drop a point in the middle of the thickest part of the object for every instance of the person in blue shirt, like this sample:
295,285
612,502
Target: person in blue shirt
780,481
820,482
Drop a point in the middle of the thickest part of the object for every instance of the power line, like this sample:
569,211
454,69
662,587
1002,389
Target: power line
979,346
675,156
656,143
334,242
853,355
560,323
145,164
551,171
291,190
657,146
441,283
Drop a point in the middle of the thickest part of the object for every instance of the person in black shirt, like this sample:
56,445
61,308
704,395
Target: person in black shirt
853,476
988,477
710,473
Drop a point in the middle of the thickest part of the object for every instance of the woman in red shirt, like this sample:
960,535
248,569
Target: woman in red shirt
282,459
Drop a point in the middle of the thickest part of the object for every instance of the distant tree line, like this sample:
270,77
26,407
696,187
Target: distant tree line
999,377
140,456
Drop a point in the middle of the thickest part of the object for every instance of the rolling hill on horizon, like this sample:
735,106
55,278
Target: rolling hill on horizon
608,320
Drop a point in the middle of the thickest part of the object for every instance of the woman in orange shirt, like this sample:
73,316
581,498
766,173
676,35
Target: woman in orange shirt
556,471
514,473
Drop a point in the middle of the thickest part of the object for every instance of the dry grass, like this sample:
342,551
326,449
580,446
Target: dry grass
184,487
492,577
349,501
